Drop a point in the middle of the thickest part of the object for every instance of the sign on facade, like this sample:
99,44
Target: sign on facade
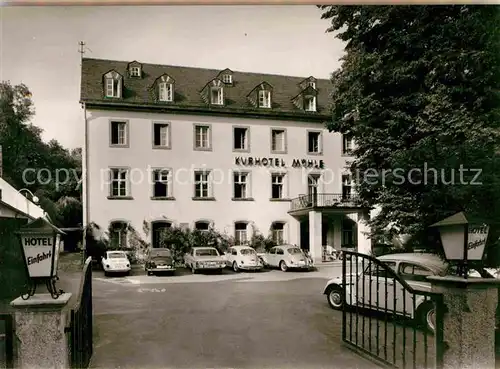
278,162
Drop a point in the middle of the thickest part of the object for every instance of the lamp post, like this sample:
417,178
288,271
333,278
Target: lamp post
34,199
40,244
462,242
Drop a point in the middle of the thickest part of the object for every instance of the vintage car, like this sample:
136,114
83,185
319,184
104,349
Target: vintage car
243,258
115,262
366,287
159,260
287,257
204,258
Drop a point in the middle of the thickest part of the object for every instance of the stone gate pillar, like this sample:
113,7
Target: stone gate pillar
39,327
469,321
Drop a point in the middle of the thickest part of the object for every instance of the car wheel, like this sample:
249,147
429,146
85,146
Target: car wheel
235,266
335,298
283,266
426,316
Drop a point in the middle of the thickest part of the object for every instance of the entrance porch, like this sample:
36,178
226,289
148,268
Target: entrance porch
326,227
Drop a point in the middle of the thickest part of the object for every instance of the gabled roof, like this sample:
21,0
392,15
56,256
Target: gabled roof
190,81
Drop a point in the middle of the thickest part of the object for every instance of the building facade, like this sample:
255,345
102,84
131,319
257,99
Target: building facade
240,152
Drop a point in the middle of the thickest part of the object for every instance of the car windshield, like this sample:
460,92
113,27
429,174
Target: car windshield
247,252
116,255
294,251
163,253
207,252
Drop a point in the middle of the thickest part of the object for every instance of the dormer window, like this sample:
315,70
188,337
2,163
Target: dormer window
310,103
113,84
264,99
135,71
227,78
166,91
311,84
217,96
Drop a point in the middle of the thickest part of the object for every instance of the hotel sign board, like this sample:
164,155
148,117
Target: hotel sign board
40,242
278,162
39,250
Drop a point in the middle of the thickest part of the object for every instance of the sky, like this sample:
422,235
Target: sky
39,47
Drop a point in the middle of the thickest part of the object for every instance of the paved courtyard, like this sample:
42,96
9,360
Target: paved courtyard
249,320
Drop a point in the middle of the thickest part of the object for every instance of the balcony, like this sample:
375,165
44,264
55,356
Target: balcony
323,200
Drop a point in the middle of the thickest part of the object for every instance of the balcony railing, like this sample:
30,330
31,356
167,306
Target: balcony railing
323,200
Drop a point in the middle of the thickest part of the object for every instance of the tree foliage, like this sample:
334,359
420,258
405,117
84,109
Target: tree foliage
418,89
47,169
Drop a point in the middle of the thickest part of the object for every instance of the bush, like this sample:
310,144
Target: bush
180,241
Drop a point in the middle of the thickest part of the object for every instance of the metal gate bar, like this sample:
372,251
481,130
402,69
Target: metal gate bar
7,339
80,329
386,328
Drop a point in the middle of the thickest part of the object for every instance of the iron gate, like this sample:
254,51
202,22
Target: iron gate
6,341
80,328
388,320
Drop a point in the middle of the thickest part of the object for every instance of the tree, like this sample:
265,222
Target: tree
25,154
418,92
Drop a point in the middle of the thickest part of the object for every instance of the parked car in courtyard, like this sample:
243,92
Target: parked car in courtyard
287,257
204,258
159,260
243,258
115,262
369,284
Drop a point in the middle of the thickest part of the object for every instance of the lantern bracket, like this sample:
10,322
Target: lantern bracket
50,283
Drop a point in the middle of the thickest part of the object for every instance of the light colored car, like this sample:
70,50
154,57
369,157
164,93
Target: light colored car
371,284
287,257
204,258
242,258
115,262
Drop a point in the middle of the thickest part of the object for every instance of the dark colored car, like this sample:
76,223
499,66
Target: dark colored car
160,261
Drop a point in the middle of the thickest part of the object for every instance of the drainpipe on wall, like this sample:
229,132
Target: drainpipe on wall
85,186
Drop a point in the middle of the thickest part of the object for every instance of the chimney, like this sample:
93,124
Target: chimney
1,162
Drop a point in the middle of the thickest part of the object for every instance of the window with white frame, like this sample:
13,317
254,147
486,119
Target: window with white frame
313,186
217,96
347,144
347,233
240,233
202,137
277,185
346,187
135,71
118,133
118,234
310,103
264,99
314,142
202,184
278,233
119,182
161,135
165,91
202,225
161,182
240,141
113,87
278,140
227,78
241,185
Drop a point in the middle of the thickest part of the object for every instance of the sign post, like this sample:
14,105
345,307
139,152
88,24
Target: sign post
40,244
462,241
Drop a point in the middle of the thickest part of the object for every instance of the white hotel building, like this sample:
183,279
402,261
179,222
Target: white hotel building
241,152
